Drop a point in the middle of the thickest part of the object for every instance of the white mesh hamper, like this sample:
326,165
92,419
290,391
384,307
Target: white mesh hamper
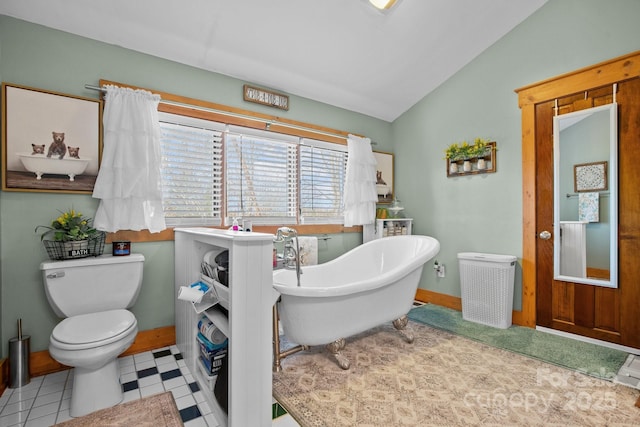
486,284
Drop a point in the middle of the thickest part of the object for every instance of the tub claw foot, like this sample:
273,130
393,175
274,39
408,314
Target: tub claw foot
334,348
401,325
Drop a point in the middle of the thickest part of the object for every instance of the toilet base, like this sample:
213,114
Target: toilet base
95,389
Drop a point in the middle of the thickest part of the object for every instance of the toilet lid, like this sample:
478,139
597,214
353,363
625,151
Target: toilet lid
93,327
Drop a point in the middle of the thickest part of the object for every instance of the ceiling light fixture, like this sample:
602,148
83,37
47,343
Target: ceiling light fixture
383,4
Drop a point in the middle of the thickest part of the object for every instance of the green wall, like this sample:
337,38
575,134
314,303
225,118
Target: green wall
36,56
480,213
483,213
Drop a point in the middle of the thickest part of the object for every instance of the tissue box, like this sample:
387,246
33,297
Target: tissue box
211,355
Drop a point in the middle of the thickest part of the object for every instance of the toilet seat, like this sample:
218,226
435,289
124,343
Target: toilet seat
93,329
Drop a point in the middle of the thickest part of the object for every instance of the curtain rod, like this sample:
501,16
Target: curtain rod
92,87
267,123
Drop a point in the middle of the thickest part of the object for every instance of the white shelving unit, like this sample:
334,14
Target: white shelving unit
249,300
387,227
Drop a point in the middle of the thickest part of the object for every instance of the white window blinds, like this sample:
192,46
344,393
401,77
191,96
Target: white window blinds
322,174
211,170
260,176
191,170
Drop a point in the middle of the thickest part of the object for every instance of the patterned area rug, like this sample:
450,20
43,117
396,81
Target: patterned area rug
159,410
581,356
443,380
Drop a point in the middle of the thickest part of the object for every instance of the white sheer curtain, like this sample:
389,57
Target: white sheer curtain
360,196
128,182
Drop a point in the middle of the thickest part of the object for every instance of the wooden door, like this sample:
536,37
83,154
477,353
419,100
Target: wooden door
593,311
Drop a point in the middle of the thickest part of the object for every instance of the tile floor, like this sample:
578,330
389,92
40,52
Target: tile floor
45,400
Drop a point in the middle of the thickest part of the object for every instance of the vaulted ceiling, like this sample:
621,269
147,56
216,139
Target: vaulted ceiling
341,52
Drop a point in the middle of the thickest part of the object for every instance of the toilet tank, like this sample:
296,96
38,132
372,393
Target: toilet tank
92,284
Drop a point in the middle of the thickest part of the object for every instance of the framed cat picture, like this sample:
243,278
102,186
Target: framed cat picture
51,142
384,176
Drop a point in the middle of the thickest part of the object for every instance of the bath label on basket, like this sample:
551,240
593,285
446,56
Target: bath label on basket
78,252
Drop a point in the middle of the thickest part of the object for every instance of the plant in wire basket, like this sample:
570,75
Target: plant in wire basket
70,225
72,235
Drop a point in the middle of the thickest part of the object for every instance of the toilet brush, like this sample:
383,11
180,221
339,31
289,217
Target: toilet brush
19,359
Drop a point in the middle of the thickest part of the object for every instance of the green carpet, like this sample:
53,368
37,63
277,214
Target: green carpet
591,359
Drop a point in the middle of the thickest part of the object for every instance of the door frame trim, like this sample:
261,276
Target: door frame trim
602,74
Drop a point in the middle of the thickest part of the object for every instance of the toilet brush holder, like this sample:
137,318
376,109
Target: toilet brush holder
19,359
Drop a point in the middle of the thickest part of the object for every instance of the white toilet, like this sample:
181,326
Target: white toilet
92,294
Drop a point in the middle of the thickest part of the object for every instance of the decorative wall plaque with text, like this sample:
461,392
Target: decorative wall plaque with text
265,97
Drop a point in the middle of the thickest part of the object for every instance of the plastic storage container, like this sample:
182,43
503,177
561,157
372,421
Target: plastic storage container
486,284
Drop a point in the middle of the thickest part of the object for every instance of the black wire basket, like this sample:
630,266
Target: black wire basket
74,249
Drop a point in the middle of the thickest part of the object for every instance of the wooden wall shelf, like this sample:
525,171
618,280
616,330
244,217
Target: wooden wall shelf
490,164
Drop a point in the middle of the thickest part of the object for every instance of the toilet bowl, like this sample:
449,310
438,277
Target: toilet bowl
93,294
91,343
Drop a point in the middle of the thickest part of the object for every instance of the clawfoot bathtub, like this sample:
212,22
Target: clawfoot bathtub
372,284
40,165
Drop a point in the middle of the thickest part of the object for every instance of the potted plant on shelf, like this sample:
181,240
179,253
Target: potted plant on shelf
456,152
73,237
480,150
463,152
466,152
451,154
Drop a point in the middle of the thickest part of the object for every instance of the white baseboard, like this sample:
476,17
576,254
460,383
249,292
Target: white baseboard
590,340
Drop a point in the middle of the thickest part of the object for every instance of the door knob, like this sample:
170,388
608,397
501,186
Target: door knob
545,235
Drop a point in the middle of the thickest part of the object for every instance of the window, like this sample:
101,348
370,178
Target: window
191,170
212,171
322,173
261,176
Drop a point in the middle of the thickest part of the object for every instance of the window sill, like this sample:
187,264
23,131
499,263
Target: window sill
167,235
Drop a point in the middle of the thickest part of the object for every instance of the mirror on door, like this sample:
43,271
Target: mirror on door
586,196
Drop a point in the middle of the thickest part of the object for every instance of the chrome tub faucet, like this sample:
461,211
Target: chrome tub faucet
290,255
